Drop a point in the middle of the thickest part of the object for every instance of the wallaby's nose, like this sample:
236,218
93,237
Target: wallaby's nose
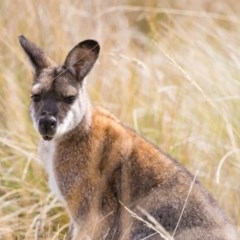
47,127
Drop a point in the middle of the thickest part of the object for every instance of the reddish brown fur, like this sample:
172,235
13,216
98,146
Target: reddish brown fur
140,176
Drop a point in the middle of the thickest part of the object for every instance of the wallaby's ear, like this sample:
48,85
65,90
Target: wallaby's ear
82,57
37,56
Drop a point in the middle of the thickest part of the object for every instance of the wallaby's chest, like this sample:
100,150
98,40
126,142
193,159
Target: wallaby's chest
47,152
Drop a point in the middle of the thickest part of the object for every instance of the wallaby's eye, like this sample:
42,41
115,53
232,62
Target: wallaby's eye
36,97
69,99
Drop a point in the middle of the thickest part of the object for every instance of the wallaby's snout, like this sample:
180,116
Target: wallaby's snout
47,121
47,127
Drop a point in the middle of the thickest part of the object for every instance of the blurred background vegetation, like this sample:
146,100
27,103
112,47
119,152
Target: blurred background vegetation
170,69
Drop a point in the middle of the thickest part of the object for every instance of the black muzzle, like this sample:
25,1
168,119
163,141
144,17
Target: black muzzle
47,127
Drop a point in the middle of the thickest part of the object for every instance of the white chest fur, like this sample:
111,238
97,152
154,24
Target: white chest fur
47,151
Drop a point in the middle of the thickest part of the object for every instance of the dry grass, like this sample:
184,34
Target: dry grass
169,70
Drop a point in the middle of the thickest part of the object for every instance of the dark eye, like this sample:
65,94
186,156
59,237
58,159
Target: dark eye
69,99
36,97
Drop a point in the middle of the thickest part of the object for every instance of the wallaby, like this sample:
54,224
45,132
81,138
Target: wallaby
114,183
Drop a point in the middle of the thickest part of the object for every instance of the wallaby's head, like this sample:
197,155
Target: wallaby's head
59,101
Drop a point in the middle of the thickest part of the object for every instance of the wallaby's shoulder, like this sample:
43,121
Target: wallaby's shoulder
100,113
105,122
141,149
106,126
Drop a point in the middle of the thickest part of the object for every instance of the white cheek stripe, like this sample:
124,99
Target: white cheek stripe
66,124
75,114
